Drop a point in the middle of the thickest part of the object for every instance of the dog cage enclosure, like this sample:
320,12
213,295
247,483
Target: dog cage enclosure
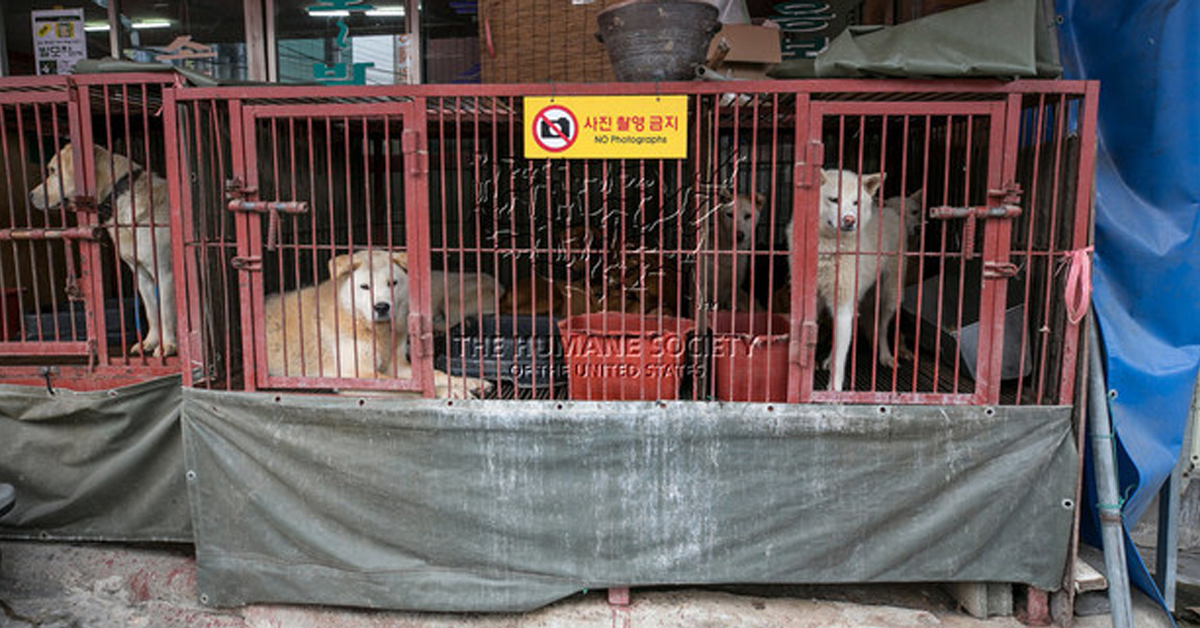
86,286
716,276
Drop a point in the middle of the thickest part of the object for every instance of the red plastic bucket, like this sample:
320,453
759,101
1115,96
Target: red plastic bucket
612,356
750,356
10,313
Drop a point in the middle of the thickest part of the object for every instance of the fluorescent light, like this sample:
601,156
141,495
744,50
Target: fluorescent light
95,27
387,12
151,24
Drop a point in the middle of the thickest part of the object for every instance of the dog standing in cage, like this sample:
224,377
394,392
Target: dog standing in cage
850,237
725,259
353,325
135,208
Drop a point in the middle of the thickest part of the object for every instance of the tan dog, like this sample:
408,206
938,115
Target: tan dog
458,296
139,227
353,325
539,296
724,262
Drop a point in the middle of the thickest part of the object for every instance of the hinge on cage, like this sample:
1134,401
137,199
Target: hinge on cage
806,170
420,336
999,270
247,263
93,354
801,352
417,160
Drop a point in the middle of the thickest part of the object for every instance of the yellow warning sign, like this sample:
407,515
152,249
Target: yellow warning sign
606,127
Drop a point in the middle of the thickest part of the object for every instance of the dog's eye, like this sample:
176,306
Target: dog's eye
391,283
833,199
364,286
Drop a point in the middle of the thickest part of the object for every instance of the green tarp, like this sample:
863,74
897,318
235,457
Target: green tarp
997,38
507,506
94,466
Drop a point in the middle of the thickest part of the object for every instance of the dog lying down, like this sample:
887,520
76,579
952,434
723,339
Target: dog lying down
353,325
139,227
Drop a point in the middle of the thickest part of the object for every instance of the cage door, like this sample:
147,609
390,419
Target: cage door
48,231
333,247
901,250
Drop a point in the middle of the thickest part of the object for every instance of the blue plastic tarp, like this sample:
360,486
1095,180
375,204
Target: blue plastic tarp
1147,271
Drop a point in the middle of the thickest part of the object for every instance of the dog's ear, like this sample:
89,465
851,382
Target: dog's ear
871,183
344,264
824,176
759,200
401,259
917,197
725,195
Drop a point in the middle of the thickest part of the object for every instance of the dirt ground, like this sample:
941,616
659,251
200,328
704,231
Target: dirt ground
62,585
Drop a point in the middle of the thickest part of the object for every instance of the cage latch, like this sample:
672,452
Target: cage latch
1008,198
272,209
247,263
999,270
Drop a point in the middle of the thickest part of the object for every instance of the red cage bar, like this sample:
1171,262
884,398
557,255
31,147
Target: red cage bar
85,277
553,278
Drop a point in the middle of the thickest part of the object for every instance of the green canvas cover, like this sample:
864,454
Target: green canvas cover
94,466
507,506
998,38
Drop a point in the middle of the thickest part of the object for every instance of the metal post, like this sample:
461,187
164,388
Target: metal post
1166,553
1103,453
114,28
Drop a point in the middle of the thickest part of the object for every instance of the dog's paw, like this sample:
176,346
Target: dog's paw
454,387
166,349
146,346
826,364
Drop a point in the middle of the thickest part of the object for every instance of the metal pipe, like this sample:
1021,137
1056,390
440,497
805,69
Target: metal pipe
1109,506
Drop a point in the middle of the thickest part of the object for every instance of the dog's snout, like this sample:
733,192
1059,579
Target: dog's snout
848,223
383,307
741,237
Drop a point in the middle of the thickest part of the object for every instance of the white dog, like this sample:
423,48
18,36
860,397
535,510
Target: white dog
353,325
726,258
854,245
139,227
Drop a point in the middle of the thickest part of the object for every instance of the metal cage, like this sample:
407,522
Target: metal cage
721,275
86,287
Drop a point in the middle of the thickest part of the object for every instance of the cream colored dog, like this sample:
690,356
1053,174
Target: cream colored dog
139,227
726,258
353,325
853,239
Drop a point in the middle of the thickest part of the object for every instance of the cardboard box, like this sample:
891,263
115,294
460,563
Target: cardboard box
752,50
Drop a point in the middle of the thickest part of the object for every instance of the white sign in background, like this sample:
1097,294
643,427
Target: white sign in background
58,40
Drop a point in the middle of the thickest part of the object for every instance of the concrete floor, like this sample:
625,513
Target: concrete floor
62,585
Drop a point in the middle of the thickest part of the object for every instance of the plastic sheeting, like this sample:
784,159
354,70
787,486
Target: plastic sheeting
486,506
1147,228
94,466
